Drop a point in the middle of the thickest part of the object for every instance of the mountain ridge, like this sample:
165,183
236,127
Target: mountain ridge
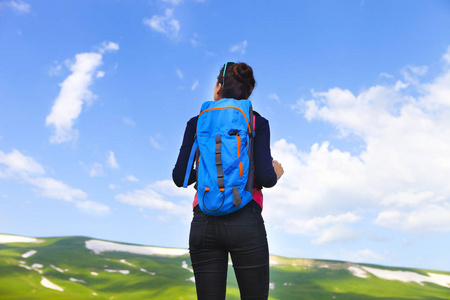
79,267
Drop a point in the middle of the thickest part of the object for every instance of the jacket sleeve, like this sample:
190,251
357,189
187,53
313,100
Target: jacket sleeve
265,173
179,171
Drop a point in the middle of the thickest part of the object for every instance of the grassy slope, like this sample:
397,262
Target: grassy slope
292,278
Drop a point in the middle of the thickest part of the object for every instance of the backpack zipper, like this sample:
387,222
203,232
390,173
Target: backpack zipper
225,107
238,141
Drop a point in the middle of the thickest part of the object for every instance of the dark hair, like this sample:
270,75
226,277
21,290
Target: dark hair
239,81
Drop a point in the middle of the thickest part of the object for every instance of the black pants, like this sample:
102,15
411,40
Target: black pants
242,235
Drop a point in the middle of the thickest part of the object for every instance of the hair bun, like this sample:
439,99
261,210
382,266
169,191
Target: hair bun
244,73
237,80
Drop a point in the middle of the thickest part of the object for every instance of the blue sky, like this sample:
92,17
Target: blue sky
95,96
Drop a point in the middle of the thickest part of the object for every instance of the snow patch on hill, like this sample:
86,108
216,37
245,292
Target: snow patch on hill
58,269
29,253
185,265
77,280
37,267
25,266
145,271
127,263
48,284
6,238
407,276
357,272
124,272
98,247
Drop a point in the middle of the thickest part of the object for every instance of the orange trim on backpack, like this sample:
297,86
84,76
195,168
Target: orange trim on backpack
216,108
241,170
206,189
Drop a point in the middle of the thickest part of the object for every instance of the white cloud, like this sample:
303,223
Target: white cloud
108,46
364,255
386,75
96,170
446,56
418,70
275,97
129,122
55,189
401,173
131,178
166,24
93,207
100,74
437,94
320,222
336,233
17,166
55,70
155,143
112,186
179,73
426,217
112,162
412,73
74,93
153,197
195,85
408,198
239,47
311,179
172,2
195,40
327,229
18,6
167,187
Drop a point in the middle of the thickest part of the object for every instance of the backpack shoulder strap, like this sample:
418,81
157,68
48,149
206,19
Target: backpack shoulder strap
190,163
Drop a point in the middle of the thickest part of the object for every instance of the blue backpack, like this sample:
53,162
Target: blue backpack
224,158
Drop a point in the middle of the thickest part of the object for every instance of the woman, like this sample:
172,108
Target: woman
242,233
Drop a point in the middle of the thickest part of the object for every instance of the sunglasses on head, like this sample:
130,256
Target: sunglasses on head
224,71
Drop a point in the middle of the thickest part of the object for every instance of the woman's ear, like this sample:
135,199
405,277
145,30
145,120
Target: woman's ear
219,89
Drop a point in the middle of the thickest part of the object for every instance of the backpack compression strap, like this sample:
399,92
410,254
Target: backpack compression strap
218,153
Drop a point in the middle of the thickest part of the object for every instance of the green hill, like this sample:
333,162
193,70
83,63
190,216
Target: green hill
82,267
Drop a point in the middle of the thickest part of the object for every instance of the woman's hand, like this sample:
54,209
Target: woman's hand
278,169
